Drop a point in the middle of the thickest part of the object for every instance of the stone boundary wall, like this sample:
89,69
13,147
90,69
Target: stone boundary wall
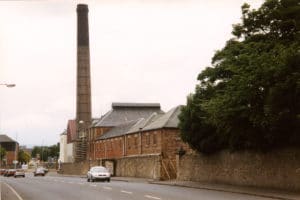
143,166
278,169
148,166
80,168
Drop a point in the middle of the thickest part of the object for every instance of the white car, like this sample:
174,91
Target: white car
39,172
98,173
19,172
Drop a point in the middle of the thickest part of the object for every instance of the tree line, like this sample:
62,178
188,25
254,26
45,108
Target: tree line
249,98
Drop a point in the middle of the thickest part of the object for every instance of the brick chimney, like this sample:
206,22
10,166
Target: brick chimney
83,104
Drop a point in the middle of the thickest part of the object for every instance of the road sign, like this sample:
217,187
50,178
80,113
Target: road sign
15,162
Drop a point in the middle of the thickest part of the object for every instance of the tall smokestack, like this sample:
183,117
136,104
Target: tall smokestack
83,109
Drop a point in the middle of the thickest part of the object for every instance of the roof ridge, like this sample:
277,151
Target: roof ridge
134,104
173,110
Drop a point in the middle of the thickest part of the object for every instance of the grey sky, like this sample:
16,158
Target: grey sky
141,51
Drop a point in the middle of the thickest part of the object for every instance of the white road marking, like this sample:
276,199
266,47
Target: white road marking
127,192
14,191
71,182
152,197
94,185
107,188
80,183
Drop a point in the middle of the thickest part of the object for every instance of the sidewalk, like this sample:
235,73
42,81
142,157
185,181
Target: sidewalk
254,191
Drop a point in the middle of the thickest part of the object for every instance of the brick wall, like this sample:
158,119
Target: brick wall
171,143
110,148
278,169
151,142
163,141
114,147
10,157
93,133
133,144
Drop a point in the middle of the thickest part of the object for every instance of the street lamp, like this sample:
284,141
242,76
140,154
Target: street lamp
8,85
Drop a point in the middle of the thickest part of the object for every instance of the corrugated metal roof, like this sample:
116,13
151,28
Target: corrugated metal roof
5,138
139,126
135,105
118,130
154,121
126,112
168,120
94,121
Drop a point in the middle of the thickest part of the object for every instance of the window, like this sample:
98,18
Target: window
128,142
135,142
120,143
154,138
147,139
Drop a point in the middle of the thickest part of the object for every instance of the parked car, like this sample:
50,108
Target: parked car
10,172
19,172
39,172
5,172
2,171
45,170
98,173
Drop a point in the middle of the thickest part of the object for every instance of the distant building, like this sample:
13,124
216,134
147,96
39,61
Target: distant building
67,142
11,147
71,140
63,147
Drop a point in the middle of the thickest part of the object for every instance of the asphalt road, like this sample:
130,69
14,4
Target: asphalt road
71,188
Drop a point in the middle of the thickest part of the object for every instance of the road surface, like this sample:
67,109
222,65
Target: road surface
72,188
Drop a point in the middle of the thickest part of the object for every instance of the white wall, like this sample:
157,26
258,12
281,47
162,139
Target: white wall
63,148
70,152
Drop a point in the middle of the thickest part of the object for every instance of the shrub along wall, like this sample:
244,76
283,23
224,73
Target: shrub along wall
277,169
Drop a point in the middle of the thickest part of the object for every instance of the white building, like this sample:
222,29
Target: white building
63,147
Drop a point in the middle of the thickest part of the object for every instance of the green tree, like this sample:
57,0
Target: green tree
45,151
2,153
54,150
250,97
23,157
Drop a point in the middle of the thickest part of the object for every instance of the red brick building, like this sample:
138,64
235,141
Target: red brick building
157,134
119,114
11,147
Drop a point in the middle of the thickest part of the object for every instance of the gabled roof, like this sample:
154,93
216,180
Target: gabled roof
95,121
134,105
64,132
142,123
153,122
126,112
168,120
5,138
118,130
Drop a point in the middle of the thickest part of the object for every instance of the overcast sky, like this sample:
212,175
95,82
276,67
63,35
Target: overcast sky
141,51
